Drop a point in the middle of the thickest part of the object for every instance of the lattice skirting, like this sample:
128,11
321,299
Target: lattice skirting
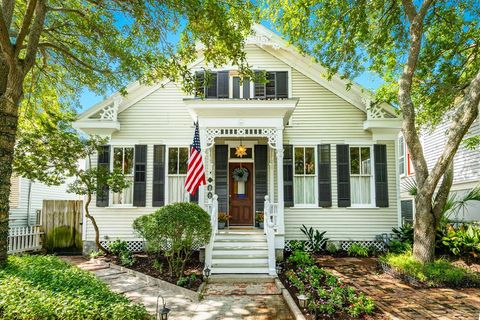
344,245
133,246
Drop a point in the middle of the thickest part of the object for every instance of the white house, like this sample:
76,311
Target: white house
323,155
466,173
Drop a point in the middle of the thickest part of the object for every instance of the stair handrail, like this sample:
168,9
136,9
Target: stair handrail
269,225
213,211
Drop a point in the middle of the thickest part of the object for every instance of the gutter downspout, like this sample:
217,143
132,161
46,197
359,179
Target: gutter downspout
28,201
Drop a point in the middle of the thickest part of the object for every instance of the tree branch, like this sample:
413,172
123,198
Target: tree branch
410,10
34,36
62,9
27,20
443,192
67,53
5,44
7,8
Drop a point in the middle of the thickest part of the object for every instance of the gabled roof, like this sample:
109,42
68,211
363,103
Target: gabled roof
277,47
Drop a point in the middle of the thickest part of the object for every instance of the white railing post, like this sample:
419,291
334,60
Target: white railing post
213,208
270,233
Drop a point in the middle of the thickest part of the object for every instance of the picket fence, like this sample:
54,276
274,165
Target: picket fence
22,239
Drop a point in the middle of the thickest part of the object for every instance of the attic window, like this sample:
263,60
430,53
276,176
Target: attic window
276,86
217,86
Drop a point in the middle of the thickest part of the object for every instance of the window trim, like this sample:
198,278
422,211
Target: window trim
372,203
315,176
402,154
167,175
111,193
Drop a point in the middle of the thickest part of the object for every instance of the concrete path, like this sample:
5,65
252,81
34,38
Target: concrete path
259,300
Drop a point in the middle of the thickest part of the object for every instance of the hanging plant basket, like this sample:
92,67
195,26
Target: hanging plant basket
240,174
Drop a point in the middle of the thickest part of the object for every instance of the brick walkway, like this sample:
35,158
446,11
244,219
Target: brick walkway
400,301
254,300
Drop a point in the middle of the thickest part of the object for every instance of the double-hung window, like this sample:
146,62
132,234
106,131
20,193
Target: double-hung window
361,175
123,158
304,176
177,173
401,155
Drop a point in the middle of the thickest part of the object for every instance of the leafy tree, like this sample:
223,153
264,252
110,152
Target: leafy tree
53,46
50,153
427,53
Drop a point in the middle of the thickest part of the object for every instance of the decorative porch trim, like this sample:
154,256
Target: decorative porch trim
270,133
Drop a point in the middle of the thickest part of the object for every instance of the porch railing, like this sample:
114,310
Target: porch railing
212,209
270,212
22,239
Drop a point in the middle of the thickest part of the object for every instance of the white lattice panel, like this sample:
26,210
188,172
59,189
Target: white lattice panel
379,245
133,246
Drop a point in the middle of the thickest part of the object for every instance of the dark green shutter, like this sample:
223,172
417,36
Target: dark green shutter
200,78
381,176
261,180
343,175
270,86
158,187
212,85
281,84
259,87
222,84
246,88
103,161
288,176
324,176
221,176
140,176
236,87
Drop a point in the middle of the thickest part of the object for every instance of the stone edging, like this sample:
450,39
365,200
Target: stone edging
193,295
297,313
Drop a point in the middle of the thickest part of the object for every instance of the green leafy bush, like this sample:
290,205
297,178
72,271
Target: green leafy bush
404,233
332,248
358,250
439,273
118,246
45,287
176,230
317,239
326,294
463,241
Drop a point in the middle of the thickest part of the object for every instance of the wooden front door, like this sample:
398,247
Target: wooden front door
241,196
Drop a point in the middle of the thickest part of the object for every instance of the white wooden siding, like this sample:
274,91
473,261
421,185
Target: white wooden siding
320,117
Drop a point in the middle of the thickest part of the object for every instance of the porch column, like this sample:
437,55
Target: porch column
279,151
203,145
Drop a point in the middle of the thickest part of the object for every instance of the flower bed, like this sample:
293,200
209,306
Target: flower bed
327,297
441,273
45,287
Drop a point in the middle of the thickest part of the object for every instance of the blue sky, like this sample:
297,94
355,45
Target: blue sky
88,98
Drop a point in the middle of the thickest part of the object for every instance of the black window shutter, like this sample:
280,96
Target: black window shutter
261,182
343,175
281,84
212,85
103,161
288,175
200,78
222,84
158,188
270,85
221,176
259,87
236,87
140,176
381,176
246,88
324,176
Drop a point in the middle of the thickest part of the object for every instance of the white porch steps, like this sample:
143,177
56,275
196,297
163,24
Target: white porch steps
240,251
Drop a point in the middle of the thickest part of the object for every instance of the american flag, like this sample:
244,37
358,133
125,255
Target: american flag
196,171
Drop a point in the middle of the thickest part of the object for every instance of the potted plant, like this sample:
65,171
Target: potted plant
222,220
259,219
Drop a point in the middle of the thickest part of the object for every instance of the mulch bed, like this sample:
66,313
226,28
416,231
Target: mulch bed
144,263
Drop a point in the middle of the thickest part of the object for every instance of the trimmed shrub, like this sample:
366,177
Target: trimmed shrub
175,230
45,287
358,250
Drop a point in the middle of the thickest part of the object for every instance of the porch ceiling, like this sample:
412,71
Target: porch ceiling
239,108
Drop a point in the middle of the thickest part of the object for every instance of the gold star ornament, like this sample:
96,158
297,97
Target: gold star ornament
241,151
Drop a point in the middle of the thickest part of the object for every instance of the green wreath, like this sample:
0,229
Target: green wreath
240,174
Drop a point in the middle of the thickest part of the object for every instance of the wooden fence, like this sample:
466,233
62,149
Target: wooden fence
62,223
21,239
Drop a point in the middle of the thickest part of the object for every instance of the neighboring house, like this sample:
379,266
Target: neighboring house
26,200
323,157
466,171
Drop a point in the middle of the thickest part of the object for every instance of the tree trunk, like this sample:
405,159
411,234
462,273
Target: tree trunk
9,102
94,223
424,231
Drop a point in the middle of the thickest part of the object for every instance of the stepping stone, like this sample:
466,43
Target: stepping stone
121,283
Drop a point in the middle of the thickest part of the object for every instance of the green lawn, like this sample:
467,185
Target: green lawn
439,273
45,287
